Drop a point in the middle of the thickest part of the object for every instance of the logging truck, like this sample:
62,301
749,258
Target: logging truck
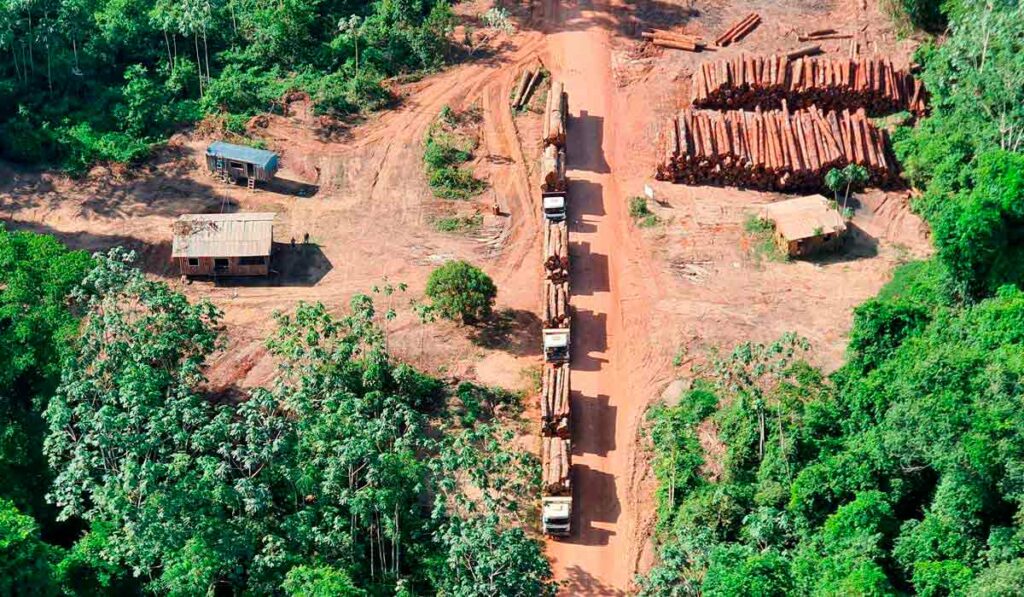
556,493
556,345
553,183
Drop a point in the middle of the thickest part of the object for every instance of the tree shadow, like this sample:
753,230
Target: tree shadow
516,331
581,582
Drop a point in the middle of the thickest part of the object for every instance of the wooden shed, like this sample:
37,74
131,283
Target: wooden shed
238,162
236,244
806,225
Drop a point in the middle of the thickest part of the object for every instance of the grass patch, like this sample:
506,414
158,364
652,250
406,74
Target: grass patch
641,214
459,224
763,247
445,150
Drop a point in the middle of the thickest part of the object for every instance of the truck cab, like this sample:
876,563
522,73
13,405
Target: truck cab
556,345
556,514
554,205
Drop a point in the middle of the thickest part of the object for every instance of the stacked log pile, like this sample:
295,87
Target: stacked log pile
556,304
554,402
772,150
556,457
739,30
555,115
746,82
677,41
552,169
556,253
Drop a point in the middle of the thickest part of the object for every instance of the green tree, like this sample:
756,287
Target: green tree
25,561
458,290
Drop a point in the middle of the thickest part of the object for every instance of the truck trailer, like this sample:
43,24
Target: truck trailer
556,493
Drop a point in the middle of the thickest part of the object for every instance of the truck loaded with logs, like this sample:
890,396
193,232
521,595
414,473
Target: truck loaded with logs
556,451
552,163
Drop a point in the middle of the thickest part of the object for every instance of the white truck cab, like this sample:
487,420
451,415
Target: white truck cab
554,205
556,514
556,345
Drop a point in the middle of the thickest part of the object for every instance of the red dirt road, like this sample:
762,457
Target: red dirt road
599,558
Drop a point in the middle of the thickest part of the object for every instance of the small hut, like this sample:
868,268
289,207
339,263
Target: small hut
805,225
237,162
236,244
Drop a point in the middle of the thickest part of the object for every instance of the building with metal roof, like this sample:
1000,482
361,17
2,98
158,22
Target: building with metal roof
805,225
238,162
238,244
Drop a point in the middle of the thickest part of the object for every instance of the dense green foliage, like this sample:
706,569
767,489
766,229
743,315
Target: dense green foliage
350,475
88,80
460,291
900,473
36,275
966,155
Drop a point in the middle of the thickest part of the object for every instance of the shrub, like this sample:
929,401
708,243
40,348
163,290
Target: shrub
460,291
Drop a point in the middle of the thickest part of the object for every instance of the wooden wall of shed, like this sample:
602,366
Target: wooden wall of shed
261,174
235,268
810,246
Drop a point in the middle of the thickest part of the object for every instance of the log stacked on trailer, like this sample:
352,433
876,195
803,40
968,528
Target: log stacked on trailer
772,150
554,401
556,458
746,82
670,39
556,252
555,115
556,304
739,30
552,169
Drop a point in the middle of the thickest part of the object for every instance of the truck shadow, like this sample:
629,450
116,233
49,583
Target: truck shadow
593,424
598,489
586,150
586,198
589,336
589,270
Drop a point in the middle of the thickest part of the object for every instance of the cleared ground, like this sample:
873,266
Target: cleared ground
642,296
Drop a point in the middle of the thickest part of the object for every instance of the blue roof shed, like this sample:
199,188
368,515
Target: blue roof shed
239,161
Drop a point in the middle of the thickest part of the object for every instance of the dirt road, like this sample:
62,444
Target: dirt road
597,560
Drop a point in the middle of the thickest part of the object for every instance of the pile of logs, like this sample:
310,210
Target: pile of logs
556,304
745,82
677,41
555,115
554,401
773,150
556,252
552,169
740,29
556,457
526,86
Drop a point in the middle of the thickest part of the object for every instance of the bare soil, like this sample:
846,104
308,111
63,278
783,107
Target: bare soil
641,296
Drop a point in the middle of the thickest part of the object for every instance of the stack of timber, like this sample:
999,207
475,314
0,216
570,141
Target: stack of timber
555,115
554,402
556,252
677,41
527,84
739,30
552,169
556,458
746,82
772,150
556,304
